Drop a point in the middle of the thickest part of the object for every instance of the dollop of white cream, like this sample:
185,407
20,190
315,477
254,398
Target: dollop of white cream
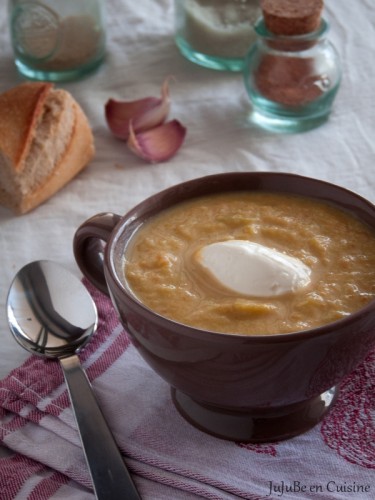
252,269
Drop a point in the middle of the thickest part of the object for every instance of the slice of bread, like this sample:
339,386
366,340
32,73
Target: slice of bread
45,140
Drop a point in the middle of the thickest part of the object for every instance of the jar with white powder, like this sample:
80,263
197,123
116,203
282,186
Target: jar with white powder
216,34
57,40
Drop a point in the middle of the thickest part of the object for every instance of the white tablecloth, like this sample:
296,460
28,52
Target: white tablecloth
212,105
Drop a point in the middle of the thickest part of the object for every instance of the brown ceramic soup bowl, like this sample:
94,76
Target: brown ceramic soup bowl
248,388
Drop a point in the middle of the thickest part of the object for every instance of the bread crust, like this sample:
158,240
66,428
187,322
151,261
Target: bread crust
21,108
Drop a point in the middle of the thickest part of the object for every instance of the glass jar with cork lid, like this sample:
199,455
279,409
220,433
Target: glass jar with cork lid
57,40
292,72
215,34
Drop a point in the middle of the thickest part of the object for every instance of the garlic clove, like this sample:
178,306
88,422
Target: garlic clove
143,113
158,144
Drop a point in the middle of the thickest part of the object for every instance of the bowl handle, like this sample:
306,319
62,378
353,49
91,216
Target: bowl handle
89,243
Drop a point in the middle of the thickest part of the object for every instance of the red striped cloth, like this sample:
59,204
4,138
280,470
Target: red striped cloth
170,459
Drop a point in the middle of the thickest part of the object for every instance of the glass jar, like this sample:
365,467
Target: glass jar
291,80
216,34
56,40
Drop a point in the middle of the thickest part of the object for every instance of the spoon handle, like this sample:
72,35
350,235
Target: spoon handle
110,477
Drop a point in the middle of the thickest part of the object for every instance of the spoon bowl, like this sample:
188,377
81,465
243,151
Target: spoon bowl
51,314
50,311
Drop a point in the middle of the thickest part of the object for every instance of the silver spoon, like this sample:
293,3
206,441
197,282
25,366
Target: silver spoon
50,313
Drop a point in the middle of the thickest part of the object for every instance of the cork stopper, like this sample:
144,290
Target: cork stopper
291,17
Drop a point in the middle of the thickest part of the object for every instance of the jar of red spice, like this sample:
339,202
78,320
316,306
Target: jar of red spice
292,72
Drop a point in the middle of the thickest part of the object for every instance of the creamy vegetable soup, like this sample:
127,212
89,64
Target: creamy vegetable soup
252,263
